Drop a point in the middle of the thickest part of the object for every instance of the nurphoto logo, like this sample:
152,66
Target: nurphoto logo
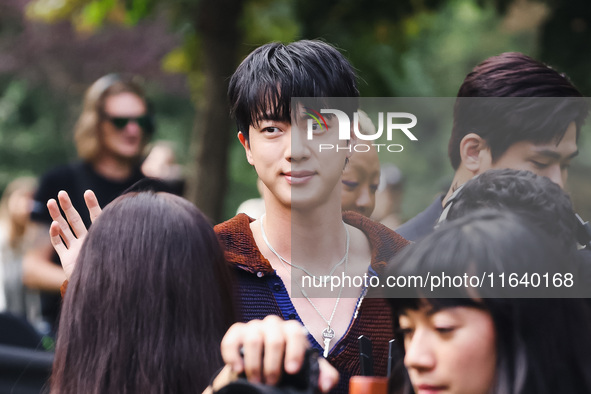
393,124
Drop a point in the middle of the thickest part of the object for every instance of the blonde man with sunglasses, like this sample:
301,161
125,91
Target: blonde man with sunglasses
110,135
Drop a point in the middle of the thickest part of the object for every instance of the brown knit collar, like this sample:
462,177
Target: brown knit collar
241,249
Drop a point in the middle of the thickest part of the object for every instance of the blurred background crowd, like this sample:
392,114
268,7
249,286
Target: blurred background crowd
185,51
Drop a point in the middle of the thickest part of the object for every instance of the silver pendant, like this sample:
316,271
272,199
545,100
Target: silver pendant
328,335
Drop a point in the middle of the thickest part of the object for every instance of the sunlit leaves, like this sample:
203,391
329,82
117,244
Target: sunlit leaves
90,15
52,11
93,15
270,20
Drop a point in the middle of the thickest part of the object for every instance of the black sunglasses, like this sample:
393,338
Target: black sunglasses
120,122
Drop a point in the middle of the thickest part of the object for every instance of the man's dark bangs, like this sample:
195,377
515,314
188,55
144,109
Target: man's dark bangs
267,103
266,81
563,111
274,100
505,121
271,99
547,124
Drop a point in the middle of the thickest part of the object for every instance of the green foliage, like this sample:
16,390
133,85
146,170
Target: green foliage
174,122
90,15
139,9
93,15
33,131
270,20
446,45
53,11
177,61
565,41
242,183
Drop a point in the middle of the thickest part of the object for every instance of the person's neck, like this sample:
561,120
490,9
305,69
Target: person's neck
314,239
461,176
113,168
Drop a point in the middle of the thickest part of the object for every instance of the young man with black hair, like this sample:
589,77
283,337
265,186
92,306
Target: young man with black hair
302,197
511,112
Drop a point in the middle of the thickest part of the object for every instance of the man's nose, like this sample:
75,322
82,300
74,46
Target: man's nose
366,199
298,145
557,175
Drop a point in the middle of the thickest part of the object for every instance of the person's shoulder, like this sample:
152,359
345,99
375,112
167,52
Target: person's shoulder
370,226
58,178
255,207
236,225
61,173
240,248
51,182
384,242
422,224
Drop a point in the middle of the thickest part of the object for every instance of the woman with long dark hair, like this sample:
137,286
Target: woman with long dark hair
147,303
478,341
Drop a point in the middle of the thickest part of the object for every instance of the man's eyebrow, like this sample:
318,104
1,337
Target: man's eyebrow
269,116
555,155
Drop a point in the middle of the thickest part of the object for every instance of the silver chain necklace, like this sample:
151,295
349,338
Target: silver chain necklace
328,333
322,278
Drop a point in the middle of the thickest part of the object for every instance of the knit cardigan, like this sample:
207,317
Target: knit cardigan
260,292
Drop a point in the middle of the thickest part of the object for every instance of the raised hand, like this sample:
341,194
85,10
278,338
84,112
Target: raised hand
66,243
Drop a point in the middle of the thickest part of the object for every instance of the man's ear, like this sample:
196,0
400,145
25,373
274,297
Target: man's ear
475,153
246,146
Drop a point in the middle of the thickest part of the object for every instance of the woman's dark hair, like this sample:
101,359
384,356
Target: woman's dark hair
147,304
265,82
542,344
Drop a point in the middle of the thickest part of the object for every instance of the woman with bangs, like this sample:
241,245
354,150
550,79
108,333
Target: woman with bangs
479,341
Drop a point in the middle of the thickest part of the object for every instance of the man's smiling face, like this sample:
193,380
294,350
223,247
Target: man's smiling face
291,166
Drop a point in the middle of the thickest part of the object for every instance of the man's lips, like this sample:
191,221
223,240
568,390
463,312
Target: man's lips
298,177
429,389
